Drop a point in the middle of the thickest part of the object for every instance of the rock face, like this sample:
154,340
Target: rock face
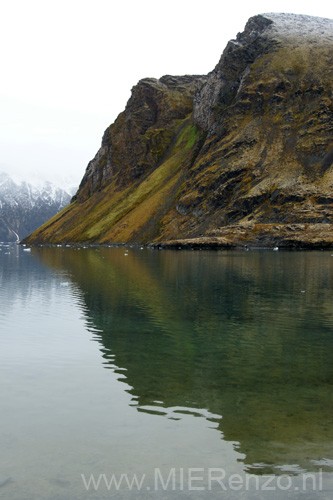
24,207
136,143
242,156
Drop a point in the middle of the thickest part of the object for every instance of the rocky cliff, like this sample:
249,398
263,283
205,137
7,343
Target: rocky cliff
242,156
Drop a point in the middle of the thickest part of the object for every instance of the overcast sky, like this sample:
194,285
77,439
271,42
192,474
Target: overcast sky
68,66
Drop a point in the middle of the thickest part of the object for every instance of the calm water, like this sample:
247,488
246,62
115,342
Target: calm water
205,374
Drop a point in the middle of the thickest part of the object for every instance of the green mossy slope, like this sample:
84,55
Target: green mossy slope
126,213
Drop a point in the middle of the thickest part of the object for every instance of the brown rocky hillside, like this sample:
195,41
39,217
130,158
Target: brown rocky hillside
242,156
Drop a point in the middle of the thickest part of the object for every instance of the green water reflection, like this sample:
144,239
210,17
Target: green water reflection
245,337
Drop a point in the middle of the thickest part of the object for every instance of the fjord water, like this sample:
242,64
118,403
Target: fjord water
182,368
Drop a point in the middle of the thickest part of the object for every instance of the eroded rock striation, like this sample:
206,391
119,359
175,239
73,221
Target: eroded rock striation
242,156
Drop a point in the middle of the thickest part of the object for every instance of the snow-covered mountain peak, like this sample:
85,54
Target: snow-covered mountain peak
287,26
25,206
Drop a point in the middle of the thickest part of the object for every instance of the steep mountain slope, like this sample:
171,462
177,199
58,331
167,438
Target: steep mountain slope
24,207
243,156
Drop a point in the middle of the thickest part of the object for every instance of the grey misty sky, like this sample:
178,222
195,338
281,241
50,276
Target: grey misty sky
68,67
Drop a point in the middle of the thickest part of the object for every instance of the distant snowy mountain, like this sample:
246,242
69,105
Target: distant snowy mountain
24,207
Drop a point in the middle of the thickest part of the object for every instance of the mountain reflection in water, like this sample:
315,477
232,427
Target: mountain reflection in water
242,339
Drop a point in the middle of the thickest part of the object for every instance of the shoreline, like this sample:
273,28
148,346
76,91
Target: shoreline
242,236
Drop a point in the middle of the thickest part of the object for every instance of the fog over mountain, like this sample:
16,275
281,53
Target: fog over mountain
25,206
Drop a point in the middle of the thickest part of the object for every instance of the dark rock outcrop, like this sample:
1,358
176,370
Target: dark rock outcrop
136,143
226,80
